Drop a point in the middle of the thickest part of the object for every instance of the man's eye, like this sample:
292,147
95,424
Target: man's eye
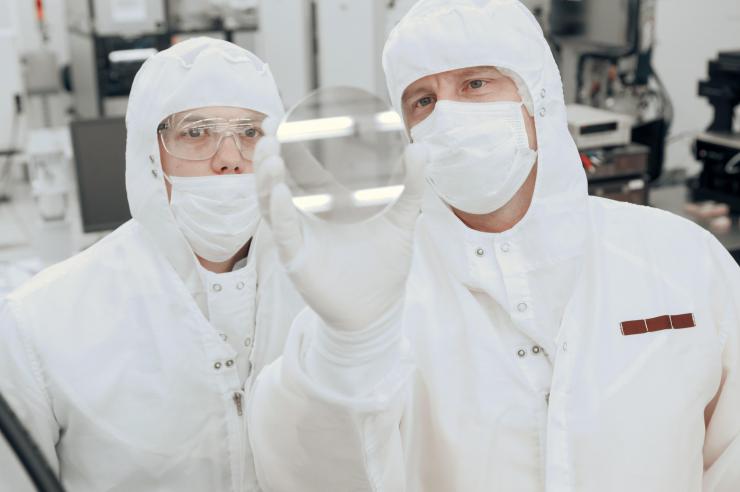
195,132
250,132
476,84
424,101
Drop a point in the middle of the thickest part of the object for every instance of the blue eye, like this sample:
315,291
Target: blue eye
424,101
476,84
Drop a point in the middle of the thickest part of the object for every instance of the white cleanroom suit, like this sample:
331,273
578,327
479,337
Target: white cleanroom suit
114,358
594,346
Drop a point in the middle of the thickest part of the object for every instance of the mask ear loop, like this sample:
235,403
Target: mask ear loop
156,167
524,127
521,88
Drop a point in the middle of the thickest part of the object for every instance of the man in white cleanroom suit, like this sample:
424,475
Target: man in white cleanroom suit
132,362
544,340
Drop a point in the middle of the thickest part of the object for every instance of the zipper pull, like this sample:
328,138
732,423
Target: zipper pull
238,403
547,398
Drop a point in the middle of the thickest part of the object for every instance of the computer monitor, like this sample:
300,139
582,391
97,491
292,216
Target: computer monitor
608,26
100,159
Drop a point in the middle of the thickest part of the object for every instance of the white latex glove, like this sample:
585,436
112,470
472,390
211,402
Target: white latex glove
352,275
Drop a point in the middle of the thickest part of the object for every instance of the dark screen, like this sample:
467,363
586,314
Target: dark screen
99,151
602,25
600,128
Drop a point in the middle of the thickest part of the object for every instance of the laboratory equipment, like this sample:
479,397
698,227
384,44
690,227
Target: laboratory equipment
342,148
11,107
723,90
605,55
618,173
42,78
615,167
602,25
99,152
719,179
594,127
48,160
109,40
719,147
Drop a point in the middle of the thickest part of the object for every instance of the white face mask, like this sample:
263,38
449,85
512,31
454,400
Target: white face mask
217,214
479,153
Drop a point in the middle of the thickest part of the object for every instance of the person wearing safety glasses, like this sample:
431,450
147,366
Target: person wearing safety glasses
517,335
132,363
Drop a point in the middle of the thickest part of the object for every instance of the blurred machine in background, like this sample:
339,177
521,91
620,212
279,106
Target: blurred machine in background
719,147
594,128
605,50
618,173
42,79
110,39
11,107
615,167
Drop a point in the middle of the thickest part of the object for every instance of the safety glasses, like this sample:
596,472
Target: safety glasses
197,134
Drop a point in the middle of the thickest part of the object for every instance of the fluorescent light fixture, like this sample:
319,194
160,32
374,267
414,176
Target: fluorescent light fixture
388,121
297,131
313,203
376,196
127,56
337,126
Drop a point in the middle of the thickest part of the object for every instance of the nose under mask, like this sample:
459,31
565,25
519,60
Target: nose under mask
479,153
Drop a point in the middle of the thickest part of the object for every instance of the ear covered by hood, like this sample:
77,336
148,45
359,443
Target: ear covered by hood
195,73
440,35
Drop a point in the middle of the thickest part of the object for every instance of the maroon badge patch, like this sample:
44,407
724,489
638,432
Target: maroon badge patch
665,322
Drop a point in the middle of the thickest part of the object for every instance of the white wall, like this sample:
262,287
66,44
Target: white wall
688,34
350,36
283,42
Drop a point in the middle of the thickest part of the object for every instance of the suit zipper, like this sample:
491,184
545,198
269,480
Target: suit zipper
238,403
